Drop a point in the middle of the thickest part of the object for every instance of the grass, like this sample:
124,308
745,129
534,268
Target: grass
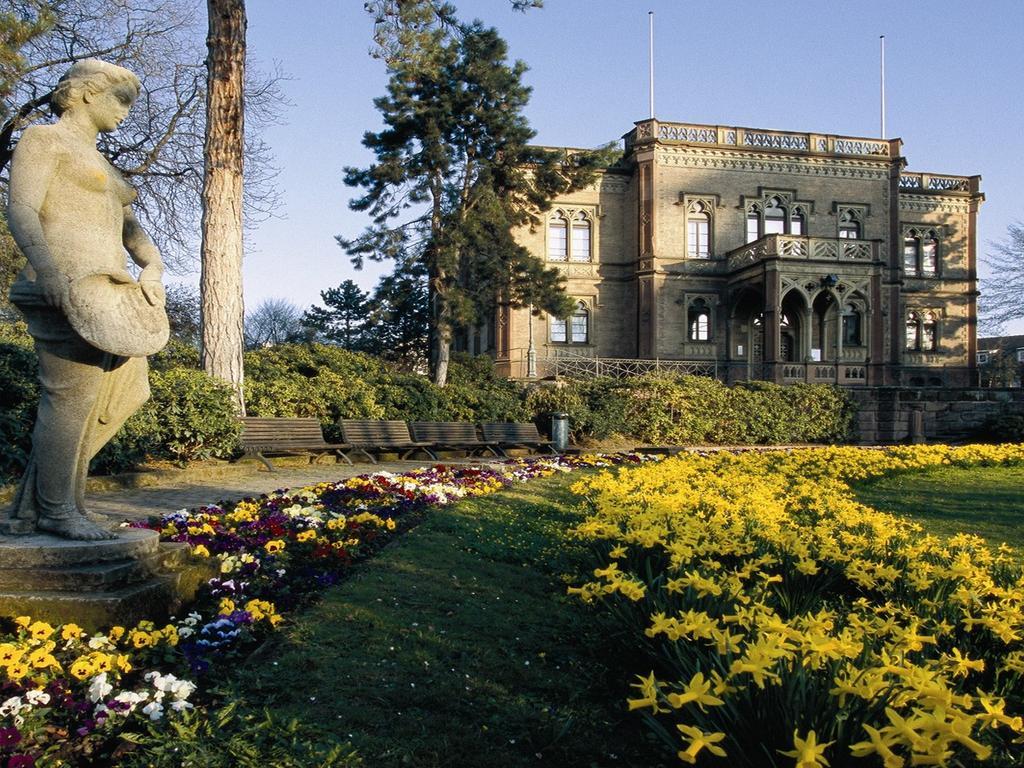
457,646
987,501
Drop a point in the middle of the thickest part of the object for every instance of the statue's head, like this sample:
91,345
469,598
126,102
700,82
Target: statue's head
88,78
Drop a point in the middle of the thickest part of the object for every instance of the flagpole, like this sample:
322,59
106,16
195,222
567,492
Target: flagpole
650,18
881,40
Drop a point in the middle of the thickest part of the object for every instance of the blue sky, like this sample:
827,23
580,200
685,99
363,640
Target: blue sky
954,94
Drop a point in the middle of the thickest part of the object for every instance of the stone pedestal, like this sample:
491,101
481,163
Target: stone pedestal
96,583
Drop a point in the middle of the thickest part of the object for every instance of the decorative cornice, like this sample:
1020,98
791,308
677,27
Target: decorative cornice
693,157
933,203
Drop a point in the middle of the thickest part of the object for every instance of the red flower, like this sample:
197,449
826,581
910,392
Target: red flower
9,737
21,761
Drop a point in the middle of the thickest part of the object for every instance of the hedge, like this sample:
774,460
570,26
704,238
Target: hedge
190,415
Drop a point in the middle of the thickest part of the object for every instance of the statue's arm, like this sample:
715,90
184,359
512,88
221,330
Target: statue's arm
144,253
33,169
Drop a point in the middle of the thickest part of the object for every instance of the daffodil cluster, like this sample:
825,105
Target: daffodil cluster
784,621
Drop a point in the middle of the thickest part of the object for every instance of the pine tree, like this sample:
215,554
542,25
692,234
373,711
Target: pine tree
343,317
398,318
454,155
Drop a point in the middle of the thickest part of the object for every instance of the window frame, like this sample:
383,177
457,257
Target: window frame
568,327
757,217
570,222
699,212
923,247
696,309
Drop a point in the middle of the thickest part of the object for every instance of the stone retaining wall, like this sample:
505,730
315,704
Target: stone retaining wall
902,414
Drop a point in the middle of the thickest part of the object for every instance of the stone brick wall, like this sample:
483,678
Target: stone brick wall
891,414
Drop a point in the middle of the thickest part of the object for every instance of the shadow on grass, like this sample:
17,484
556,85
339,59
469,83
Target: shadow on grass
456,646
986,501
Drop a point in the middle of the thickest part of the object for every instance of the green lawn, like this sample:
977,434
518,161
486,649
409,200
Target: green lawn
987,501
457,646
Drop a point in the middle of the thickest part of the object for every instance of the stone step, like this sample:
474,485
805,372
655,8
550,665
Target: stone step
77,578
41,550
152,599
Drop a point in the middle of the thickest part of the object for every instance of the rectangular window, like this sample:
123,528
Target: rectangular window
983,357
849,232
557,245
1020,355
558,330
797,225
698,240
578,328
774,226
580,242
752,227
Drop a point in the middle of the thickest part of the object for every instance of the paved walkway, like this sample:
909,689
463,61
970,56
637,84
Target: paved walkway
243,480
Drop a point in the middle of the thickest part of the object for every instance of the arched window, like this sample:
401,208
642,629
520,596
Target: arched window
911,254
928,335
580,246
913,332
851,326
774,217
849,226
579,324
920,253
574,329
698,231
699,321
558,239
796,222
929,257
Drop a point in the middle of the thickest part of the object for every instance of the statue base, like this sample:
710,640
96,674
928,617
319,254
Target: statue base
97,584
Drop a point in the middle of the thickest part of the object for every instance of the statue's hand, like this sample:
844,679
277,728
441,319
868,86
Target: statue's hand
152,287
153,290
53,286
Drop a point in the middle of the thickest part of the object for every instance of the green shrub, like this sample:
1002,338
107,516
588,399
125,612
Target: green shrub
695,409
19,394
189,416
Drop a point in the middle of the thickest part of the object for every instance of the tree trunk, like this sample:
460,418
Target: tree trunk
442,352
221,278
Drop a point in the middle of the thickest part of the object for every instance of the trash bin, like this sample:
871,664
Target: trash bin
560,431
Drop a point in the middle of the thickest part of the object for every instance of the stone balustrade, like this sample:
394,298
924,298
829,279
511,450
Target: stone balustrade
755,138
807,248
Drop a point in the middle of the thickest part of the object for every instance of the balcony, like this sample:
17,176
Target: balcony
805,248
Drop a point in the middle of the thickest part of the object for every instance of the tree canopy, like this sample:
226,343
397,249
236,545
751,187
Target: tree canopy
454,174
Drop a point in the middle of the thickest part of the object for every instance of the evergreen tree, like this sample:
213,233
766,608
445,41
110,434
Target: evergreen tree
342,319
398,318
454,157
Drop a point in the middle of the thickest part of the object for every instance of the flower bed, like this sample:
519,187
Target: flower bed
783,621
70,696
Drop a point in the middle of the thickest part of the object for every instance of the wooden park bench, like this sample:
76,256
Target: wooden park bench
261,436
369,437
504,435
451,436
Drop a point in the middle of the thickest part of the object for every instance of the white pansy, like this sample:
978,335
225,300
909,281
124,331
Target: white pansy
155,710
99,688
37,698
11,707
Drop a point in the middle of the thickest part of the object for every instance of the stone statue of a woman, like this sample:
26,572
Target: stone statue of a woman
92,322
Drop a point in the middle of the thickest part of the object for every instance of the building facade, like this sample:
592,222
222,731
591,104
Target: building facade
756,254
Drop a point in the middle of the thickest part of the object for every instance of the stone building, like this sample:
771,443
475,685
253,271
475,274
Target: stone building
756,254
